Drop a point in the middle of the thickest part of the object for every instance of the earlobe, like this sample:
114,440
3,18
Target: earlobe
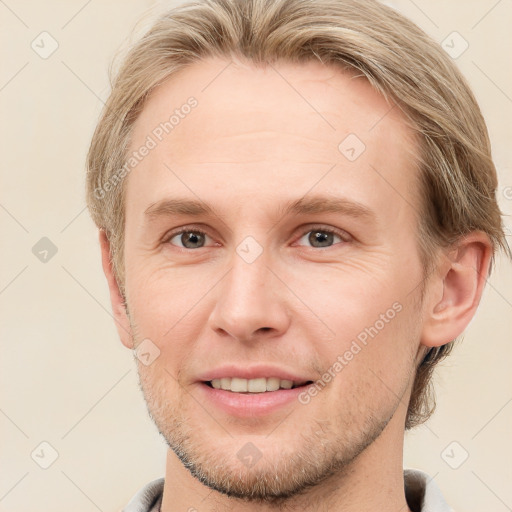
116,298
462,277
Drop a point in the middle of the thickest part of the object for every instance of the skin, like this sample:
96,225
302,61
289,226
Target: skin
258,139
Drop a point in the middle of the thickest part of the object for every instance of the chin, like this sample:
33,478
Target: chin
284,464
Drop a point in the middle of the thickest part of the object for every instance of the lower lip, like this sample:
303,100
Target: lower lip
251,404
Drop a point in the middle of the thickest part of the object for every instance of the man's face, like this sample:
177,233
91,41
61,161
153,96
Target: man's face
252,289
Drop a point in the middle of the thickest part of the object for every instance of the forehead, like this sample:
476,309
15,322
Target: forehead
255,124
234,97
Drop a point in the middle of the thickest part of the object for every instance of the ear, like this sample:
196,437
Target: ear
116,299
455,291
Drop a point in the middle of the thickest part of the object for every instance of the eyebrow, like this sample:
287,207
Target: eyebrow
302,206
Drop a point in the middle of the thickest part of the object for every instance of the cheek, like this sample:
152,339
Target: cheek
369,373
345,301
371,321
163,298
171,307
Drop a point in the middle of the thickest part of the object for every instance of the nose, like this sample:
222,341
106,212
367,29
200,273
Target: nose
250,302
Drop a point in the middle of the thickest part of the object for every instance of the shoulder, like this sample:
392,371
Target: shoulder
148,498
422,492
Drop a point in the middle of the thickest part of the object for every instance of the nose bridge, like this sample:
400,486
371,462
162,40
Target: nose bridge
248,276
248,299
247,283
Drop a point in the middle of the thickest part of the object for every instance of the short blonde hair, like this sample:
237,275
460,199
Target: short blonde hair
457,175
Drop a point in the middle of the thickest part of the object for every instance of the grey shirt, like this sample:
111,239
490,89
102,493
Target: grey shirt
422,493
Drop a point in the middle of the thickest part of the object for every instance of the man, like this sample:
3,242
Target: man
297,214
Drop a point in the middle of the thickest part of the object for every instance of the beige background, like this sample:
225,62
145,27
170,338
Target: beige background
67,380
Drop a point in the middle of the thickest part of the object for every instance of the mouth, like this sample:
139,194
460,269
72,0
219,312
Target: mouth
252,392
255,386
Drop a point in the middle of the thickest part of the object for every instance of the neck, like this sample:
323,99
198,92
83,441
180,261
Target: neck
372,481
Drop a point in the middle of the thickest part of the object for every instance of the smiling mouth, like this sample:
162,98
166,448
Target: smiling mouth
251,386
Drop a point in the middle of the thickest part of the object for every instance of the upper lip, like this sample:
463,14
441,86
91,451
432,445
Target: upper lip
253,372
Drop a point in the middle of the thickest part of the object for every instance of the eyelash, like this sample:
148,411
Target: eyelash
345,237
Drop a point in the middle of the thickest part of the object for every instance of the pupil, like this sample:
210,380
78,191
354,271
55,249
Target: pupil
320,237
191,239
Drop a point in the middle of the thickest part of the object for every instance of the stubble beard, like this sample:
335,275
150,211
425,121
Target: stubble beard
303,456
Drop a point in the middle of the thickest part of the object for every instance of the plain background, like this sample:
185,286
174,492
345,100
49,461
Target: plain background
66,379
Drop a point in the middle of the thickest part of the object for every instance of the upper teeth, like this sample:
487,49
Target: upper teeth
259,385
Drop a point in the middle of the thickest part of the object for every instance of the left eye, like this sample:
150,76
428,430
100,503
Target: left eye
189,239
320,238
